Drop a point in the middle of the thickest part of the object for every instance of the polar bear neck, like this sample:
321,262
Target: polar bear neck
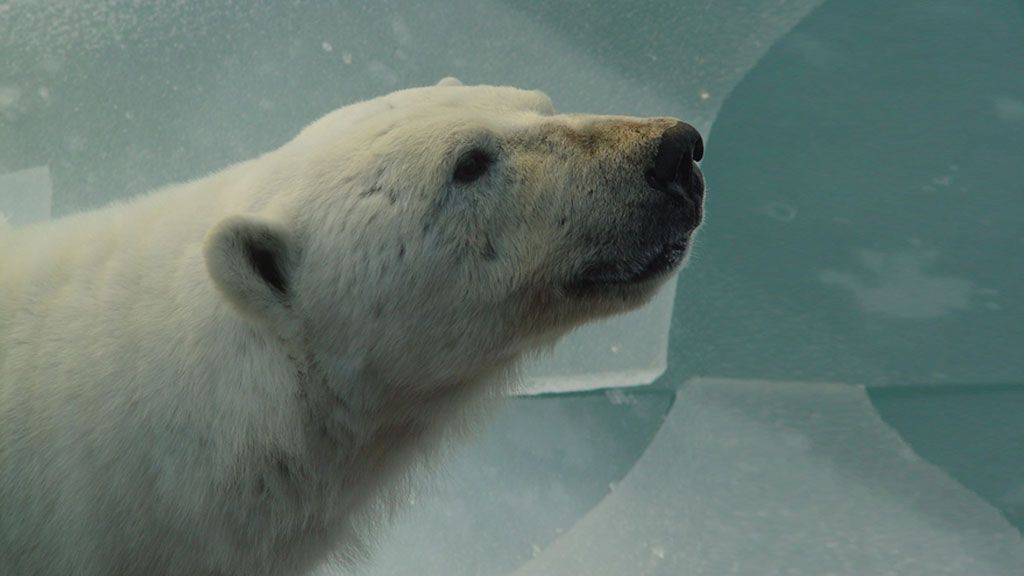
366,416
364,442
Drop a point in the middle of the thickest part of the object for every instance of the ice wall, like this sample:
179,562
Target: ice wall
776,478
865,204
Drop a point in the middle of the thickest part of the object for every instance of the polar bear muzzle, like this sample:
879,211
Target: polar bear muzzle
673,214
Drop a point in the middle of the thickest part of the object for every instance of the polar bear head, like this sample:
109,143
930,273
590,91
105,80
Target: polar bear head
427,236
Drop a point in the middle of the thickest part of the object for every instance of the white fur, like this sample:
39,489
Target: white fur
164,411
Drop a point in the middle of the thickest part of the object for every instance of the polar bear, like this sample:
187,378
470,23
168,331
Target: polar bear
238,375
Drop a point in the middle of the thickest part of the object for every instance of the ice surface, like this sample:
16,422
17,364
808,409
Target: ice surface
772,478
898,285
25,196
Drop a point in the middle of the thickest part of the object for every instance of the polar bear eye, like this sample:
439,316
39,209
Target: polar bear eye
472,166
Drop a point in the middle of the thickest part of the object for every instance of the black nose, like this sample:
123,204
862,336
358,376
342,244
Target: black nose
673,169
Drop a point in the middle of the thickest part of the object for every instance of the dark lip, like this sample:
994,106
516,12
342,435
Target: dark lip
612,274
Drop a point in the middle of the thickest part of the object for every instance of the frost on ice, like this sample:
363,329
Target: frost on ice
751,478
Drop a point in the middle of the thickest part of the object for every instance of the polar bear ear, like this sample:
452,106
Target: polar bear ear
250,260
449,81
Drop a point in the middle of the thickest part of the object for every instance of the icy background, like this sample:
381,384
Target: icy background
864,214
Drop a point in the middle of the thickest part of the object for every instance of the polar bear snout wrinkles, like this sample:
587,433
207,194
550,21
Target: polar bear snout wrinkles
653,234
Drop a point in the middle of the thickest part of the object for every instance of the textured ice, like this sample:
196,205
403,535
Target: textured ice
773,478
851,234
898,285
